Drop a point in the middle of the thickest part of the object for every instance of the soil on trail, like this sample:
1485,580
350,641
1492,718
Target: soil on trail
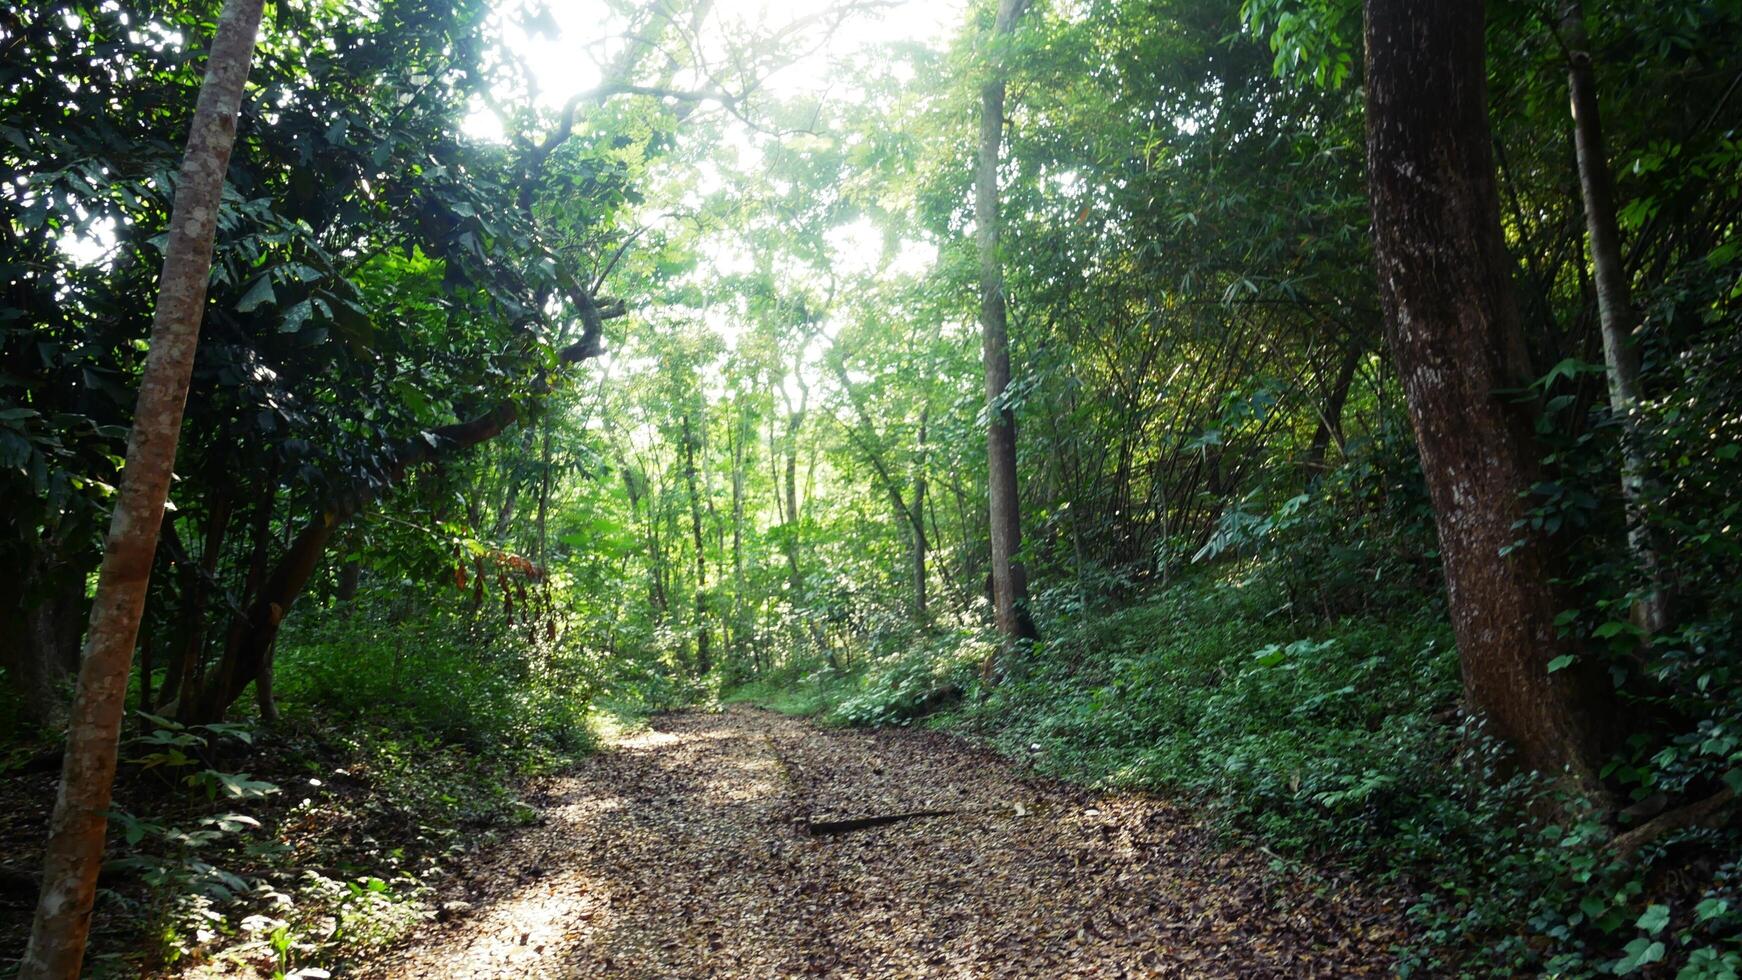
681,852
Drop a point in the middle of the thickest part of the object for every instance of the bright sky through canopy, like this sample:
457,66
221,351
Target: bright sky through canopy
562,45
563,54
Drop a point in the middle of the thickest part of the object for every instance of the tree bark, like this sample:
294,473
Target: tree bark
1615,312
916,515
741,436
1331,419
794,423
75,843
1009,579
1445,282
42,613
263,691
544,474
704,655
350,578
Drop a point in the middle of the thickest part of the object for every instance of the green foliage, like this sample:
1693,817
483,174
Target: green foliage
1230,548
441,675
1209,689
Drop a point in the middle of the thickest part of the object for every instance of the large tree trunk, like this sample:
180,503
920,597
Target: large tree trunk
75,843
1614,303
1445,282
1009,581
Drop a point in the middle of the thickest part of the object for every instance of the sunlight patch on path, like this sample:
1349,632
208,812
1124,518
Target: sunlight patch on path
675,854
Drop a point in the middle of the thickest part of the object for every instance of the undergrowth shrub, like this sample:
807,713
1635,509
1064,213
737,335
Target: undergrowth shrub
441,673
1209,688
404,732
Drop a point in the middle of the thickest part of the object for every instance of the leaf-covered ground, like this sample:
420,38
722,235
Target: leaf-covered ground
681,851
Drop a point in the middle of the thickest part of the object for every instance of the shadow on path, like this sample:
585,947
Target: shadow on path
674,854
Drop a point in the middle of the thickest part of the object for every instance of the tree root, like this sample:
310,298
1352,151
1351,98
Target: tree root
1713,811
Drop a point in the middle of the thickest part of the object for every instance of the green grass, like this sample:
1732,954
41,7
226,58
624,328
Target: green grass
807,696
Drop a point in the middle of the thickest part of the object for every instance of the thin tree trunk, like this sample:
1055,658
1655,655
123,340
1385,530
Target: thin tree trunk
916,515
1009,581
41,616
197,578
1614,303
253,581
1331,420
75,843
544,494
740,437
1445,282
350,577
909,520
792,530
263,693
704,656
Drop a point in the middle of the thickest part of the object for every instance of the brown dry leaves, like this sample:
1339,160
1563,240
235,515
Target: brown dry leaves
676,854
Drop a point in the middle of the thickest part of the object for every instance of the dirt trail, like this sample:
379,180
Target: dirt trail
675,854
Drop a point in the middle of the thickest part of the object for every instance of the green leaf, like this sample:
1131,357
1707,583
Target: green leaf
1270,656
1654,919
1561,662
259,293
1640,952
1733,779
296,316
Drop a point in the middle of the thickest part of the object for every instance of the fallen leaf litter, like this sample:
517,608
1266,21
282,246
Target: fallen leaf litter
682,851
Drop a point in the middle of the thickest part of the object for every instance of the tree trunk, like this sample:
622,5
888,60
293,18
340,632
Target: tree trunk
1331,419
916,515
740,438
350,577
1445,283
792,529
147,665
1614,303
704,656
544,495
259,627
41,619
263,693
197,579
1009,581
75,843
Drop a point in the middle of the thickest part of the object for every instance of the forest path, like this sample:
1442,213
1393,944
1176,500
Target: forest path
674,853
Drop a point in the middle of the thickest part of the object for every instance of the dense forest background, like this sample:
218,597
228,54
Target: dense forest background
513,408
